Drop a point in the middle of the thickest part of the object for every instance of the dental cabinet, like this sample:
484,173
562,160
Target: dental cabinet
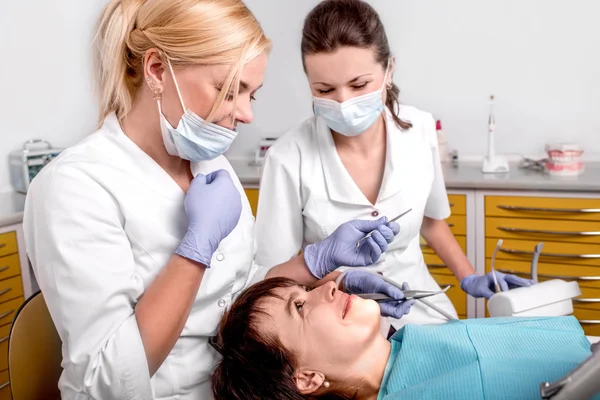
522,208
569,227
458,225
16,282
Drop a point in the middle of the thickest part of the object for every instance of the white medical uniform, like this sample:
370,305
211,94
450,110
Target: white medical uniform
306,193
100,223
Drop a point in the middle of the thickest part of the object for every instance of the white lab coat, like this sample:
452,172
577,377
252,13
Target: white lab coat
100,223
306,193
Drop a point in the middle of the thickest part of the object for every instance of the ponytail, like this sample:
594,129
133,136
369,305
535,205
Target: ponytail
393,104
112,57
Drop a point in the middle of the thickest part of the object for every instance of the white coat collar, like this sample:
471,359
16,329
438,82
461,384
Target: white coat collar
340,185
147,165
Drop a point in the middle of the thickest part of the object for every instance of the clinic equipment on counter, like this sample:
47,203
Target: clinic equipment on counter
493,163
371,233
26,163
261,151
549,298
581,383
340,278
412,294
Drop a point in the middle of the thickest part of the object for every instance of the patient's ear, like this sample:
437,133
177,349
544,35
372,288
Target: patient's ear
309,382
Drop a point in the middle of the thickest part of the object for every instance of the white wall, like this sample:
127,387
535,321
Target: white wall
45,73
539,57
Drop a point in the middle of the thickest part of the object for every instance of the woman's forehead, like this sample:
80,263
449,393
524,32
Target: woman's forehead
342,65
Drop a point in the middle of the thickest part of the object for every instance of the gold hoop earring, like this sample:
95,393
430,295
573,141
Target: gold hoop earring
390,86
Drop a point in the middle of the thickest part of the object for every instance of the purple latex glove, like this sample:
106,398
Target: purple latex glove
358,282
339,249
213,206
483,285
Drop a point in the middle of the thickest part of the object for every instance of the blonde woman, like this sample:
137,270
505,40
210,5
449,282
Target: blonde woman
140,235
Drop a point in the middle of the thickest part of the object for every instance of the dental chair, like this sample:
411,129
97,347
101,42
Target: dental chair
581,384
34,352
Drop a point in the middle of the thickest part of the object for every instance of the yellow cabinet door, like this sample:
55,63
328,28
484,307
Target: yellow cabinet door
252,195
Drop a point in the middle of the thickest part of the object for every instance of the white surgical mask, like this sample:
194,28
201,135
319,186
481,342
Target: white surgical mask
194,139
353,116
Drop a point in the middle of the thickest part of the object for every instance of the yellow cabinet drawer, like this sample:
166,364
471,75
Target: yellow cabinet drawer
10,266
458,204
455,293
462,240
4,386
8,310
4,331
11,288
553,252
435,264
543,207
589,299
8,243
543,229
252,195
589,320
457,224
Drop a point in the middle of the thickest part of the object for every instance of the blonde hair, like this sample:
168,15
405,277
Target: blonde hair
202,32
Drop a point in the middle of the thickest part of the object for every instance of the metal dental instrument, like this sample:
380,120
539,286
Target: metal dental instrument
408,295
371,233
446,315
534,261
493,263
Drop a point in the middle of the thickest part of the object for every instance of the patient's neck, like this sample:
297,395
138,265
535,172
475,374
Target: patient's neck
371,369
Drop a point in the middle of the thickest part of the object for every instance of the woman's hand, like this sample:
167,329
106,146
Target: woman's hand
483,285
339,249
213,206
357,282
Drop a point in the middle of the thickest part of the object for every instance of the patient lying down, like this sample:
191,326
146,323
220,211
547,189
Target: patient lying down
280,341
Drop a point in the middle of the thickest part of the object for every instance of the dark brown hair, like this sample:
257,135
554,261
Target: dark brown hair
354,23
255,365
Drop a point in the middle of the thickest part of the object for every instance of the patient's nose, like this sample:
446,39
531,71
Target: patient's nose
328,291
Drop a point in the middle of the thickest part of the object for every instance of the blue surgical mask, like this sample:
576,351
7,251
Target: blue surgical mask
194,139
354,116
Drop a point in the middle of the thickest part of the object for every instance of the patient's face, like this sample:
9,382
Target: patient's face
325,328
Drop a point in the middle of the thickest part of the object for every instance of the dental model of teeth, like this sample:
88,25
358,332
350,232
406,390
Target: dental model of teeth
564,159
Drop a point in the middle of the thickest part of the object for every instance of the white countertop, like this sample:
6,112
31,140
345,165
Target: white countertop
11,208
468,175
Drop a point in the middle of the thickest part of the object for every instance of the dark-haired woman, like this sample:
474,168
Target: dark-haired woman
363,155
282,342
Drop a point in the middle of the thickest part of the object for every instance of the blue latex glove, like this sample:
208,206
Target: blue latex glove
339,249
483,285
213,206
357,282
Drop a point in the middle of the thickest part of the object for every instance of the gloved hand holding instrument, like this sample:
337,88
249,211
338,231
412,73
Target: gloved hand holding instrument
493,282
357,243
339,249
393,302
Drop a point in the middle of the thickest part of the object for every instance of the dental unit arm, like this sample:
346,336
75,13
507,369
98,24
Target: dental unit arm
550,298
